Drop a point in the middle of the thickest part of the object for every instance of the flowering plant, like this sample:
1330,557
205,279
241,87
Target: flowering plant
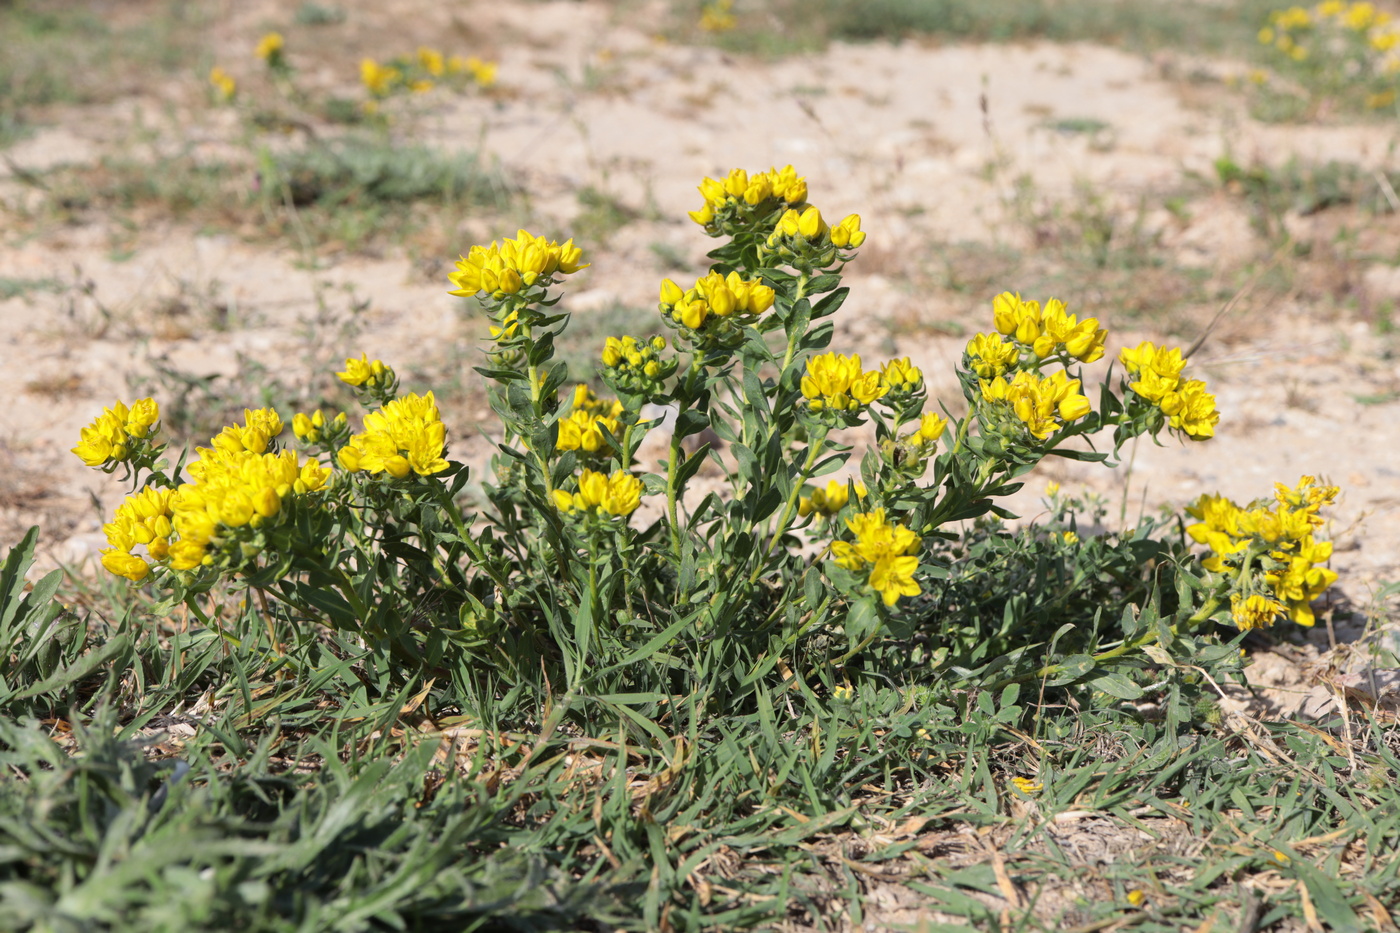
586,559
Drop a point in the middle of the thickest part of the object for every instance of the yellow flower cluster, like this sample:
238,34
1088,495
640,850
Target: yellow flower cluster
1186,403
1282,533
367,373
931,428
617,495
715,295
523,262
254,435
718,16
990,355
809,227
751,191
424,71
143,519
636,366
1042,403
827,502
109,439
1047,331
405,436
223,84
234,488
582,430
313,429
837,382
903,378
887,550
1288,28
633,352
270,48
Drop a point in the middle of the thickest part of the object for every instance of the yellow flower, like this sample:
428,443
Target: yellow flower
931,428
1253,612
233,489
405,436
1083,340
269,47
837,382
617,495
224,85
717,16
482,72
431,61
367,372
829,500
1041,403
505,269
583,431
990,355
108,439
1016,318
1360,16
902,374
740,195
378,79
1027,786
843,692
1191,409
847,234
124,564
893,577
887,551
714,295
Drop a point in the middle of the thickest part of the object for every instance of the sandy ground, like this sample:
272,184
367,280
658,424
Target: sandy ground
930,143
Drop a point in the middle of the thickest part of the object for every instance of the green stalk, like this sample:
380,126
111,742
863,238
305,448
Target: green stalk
814,450
793,335
673,462
1149,637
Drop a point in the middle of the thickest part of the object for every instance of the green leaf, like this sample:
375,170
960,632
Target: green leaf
116,651
1116,685
691,422
862,620
1071,669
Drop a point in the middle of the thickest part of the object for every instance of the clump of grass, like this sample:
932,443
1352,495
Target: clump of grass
1304,188
57,53
1204,27
349,193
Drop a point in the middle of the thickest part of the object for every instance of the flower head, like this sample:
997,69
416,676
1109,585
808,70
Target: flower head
829,500
838,383
119,434
514,265
885,551
615,496
223,83
1043,404
404,437
991,355
740,199
1188,407
270,48
728,301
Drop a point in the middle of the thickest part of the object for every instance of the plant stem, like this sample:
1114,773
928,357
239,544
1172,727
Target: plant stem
793,334
1146,638
814,450
673,462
